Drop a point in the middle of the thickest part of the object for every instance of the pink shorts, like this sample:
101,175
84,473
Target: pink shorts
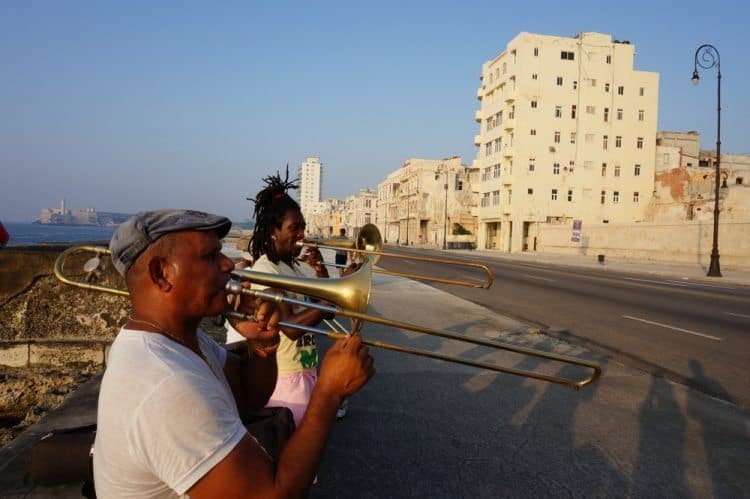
293,390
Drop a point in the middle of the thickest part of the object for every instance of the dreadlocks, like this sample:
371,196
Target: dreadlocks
271,206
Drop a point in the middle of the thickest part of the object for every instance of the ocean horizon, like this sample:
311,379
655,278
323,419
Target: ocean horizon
24,233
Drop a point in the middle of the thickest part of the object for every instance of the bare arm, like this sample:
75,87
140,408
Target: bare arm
248,472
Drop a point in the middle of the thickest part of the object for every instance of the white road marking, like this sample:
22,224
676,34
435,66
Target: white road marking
540,278
674,327
669,283
738,315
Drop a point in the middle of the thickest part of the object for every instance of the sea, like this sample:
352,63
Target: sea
23,233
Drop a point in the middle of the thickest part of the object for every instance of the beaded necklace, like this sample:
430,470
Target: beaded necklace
164,332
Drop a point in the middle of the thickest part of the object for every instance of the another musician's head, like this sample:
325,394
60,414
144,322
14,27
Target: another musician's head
279,224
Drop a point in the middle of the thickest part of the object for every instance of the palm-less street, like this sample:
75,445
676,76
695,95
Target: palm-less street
696,332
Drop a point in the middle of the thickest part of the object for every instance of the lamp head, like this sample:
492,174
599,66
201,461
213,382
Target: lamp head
695,79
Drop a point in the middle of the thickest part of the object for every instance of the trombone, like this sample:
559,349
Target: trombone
351,295
369,242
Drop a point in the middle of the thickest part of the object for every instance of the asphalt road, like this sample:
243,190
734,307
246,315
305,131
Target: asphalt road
696,333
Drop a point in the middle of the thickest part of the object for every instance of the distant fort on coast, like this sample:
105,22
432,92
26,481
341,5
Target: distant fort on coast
86,216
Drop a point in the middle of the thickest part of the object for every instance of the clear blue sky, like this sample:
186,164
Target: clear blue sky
127,106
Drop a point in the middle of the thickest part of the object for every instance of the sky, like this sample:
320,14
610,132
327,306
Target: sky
137,105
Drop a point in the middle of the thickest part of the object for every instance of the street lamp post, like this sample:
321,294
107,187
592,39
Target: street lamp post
706,56
408,208
445,211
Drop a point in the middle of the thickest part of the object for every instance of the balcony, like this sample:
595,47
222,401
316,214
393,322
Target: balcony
509,123
480,92
509,95
507,179
506,209
478,116
508,151
477,140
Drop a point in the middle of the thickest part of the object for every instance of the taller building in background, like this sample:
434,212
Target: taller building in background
567,132
310,183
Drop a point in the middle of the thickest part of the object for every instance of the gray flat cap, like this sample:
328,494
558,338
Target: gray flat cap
134,236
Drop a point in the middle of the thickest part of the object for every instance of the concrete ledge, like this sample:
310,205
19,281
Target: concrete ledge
62,352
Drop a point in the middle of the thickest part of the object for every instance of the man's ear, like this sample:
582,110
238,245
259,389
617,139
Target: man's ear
160,273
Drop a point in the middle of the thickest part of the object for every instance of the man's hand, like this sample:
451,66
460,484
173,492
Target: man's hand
346,367
262,334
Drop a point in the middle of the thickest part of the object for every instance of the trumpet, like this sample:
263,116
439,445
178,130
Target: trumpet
350,296
369,244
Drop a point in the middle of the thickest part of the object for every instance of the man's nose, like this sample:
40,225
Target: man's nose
226,264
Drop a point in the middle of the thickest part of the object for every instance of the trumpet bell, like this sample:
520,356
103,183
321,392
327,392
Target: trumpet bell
369,239
351,292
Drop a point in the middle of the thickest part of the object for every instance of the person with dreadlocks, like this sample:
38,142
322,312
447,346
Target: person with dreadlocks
279,226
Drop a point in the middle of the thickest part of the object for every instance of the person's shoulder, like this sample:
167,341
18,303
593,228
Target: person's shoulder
263,264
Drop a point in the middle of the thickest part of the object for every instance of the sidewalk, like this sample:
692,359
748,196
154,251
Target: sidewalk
686,271
425,428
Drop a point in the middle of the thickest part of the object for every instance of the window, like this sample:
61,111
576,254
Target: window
738,180
617,170
604,196
570,195
606,114
554,194
530,191
572,137
488,148
558,112
486,172
556,169
665,159
620,90
496,171
592,82
510,195
609,59
460,185
557,137
533,131
642,91
575,84
536,51
505,67
641,114
486,199
495,198
534,76
532,164
618,141
567,56
605,141
606,87
636,197
559,81
616,197
604,169
533,104
591,109
637,170
573,111
571,165
639,143
512,112
498,144
619,114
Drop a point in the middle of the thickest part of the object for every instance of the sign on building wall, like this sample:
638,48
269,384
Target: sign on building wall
576,236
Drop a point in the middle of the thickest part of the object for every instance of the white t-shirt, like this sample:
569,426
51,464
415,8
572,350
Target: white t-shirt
164,419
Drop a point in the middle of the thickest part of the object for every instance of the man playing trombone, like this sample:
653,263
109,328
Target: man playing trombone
171,398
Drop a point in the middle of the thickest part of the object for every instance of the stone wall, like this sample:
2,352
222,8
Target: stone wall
684,242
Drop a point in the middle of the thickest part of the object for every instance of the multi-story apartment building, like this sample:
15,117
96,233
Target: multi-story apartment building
567,131
359,210
427,201
310,185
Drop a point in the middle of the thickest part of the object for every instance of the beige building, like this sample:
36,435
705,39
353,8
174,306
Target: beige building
684,186
428,201
567,130
310,185
359,210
